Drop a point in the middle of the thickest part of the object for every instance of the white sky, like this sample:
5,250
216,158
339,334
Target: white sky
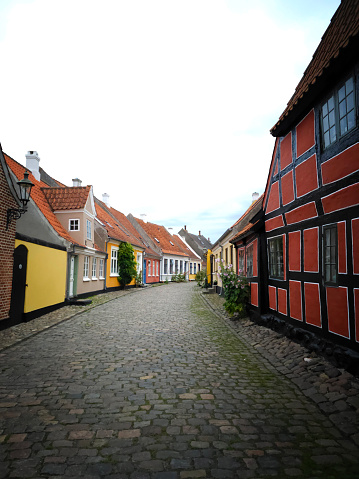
166,105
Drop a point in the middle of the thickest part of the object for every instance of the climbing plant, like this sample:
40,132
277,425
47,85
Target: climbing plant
126,264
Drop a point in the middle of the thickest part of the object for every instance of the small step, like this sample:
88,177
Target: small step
208,291
79,302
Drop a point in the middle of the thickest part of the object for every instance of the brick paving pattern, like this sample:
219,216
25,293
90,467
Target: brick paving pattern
155,385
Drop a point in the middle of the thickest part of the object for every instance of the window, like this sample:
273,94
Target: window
94,267
330,254
74,225
194,268
114,261
86,266
165,266
190,268
176,266
157,267
275,258
181,267
100,268
88,229
249,258
149,267
338,113
139,261
171,266
241,261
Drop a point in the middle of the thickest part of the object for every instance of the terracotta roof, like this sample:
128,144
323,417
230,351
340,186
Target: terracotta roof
37,195
343,27
67,198
185,248
113,226
254,207
243,232
162,237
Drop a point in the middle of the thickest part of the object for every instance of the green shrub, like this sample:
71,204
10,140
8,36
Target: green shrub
236,290
126,264
178,278
201,278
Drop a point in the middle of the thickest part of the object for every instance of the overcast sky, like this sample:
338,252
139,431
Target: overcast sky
166,105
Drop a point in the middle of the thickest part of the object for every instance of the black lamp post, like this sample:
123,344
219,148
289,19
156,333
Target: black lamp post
25,186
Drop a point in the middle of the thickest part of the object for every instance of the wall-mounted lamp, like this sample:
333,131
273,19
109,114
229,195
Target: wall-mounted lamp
25,186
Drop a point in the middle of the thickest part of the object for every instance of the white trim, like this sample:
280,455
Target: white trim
326,297
300,251
316,170
320,306
306,229
78,221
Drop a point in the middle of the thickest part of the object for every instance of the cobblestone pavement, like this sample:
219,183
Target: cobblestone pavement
155,385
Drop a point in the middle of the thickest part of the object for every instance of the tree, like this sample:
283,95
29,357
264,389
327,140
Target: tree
126,264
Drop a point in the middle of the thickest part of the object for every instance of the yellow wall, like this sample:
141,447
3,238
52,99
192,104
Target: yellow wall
209,253
111,281
45,276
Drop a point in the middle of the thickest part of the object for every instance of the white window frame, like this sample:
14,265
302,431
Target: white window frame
74,222
88,230
114,261
101,268
86,268
149,267
94,268
157,267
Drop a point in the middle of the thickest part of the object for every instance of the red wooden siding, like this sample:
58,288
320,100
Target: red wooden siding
356,307
254,294
295,300
355,241
272,293
282,301
286,151
341,165
274,223
287,188
301,213
305,134
342,248
337,304
306,176
341,199
273,200
312,304
294,251
311,254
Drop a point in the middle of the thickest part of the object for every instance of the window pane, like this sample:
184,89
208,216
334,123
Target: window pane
350,101
341,93
326,139
325,123
325,109
331,103
349,85
351,119
342,109
343,125
331,118
333,134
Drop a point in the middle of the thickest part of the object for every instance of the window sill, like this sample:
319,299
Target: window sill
93,278
86,279
112,275
101,278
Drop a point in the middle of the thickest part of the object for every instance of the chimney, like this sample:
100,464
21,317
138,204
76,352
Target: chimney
32,163
106,199
143,217
255,196
185,227
199,233
76,182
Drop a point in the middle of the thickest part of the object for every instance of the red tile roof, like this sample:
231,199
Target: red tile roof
113,226
162,237
185,248
67,198
342,29
39,198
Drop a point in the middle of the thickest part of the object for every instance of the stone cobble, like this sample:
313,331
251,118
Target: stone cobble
159,385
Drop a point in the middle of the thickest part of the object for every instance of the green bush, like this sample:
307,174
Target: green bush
178,278
201,278
236,290
126,264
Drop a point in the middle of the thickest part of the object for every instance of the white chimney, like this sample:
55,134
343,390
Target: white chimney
32,163
106,199
255,196
143,217
76,182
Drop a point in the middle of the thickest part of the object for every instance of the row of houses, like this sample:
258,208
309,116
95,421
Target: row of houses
66,245
298,243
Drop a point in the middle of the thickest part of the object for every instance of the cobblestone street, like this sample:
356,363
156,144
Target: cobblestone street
156,385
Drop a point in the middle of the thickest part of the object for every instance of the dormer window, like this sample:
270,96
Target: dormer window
171,243
74,225
157,240
89,229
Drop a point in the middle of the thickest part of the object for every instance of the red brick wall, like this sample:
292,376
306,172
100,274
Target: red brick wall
7,244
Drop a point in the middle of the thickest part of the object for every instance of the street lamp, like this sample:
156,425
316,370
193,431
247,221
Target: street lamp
25,186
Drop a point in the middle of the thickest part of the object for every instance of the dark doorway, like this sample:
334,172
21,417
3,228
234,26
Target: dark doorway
18,285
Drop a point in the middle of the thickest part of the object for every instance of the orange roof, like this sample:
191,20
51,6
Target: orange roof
162,237
185,248
342,29
247,228
113,226
37,195
67,198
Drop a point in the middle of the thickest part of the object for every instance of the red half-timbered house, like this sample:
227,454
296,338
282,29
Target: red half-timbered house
311,201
